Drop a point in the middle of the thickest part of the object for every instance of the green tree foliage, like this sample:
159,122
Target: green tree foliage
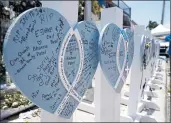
152,24
20,6
81,10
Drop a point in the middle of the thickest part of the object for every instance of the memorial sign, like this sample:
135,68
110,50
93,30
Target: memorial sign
128,35
157,48
49,61
146,58
152,55
143,52
148,50
113,54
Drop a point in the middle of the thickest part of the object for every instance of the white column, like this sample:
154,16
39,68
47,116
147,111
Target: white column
135,73
107,101
87,10
69,9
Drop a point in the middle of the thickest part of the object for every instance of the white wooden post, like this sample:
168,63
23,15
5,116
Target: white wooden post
69,9
135,71
87,10
107,101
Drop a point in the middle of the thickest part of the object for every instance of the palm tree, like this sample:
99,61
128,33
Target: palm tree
152,24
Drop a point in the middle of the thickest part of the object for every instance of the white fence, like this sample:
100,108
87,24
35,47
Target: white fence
106,103
144,77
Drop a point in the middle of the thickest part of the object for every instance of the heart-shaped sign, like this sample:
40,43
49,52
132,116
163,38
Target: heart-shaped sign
51,63
143,52
153,48
87,66
152,55
128,36
148,50
113,55
157,49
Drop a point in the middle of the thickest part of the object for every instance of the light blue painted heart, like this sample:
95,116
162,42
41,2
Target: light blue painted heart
113,54
128,36
148,50
152,53
89,36
49,61
152,48
157,49
142,51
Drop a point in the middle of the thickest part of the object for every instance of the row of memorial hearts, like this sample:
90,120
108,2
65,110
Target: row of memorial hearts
52,63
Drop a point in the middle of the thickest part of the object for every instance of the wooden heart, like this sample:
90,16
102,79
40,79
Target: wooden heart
128,36
49,61
142,52
113,55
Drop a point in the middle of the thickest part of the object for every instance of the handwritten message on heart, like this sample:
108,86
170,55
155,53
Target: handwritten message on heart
157,49
128,36
143,52
148,50
152,55
49,61
113,51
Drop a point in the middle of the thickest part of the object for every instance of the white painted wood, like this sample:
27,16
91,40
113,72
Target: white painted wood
135,71
140,107
125,118
128,79
156,81
147,73
144,118
69,9
105,106
87,107
151,104
137,119
48,117
116,18
126,94
154,86
151,94
107,101
124,100
87,10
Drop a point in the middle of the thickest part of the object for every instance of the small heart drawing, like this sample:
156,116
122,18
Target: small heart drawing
39,42
115,60
55,73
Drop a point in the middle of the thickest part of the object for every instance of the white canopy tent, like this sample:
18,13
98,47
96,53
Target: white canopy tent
160,30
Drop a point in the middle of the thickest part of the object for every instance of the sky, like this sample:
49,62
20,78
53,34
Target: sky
143,11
